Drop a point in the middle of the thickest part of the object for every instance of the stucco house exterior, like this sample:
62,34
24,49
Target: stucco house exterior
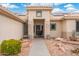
11,26
38,22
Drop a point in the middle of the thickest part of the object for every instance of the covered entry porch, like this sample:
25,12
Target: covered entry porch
38,28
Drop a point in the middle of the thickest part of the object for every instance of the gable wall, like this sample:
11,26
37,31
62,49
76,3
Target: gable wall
10,29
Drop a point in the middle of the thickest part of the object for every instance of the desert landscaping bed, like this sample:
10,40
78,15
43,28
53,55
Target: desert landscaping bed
61,47
26,44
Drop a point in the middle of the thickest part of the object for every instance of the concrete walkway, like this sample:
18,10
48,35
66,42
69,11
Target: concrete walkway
38,48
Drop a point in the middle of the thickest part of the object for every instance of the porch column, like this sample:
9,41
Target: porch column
30,29
70,28
47,29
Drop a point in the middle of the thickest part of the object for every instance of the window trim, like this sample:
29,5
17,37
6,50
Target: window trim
53,29
38,11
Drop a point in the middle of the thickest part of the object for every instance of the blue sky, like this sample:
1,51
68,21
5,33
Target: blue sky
21,8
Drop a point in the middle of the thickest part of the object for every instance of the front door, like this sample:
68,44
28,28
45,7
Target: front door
38,30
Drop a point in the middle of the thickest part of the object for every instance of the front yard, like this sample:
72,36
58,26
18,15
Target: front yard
55,47
62,48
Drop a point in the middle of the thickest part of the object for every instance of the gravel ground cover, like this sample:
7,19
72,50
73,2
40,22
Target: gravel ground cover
58,48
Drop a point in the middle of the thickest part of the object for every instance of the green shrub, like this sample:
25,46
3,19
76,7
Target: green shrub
0,49
10,47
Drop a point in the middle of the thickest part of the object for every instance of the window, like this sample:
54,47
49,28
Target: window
39,13
53,26
77,26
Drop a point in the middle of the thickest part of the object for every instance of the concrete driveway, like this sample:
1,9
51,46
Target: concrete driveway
39,48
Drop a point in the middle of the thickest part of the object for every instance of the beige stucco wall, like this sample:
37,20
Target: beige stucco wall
10,29
57,32
45,14
68,27
63,28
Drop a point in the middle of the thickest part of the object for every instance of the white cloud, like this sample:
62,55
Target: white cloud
24,5
57,10
71,8
5,5
77,11
57,4
13,6
68,5
41,4
8,5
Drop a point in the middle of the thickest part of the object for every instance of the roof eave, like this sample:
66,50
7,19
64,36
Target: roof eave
11,15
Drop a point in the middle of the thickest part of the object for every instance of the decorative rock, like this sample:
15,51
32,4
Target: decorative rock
58,48
59,39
